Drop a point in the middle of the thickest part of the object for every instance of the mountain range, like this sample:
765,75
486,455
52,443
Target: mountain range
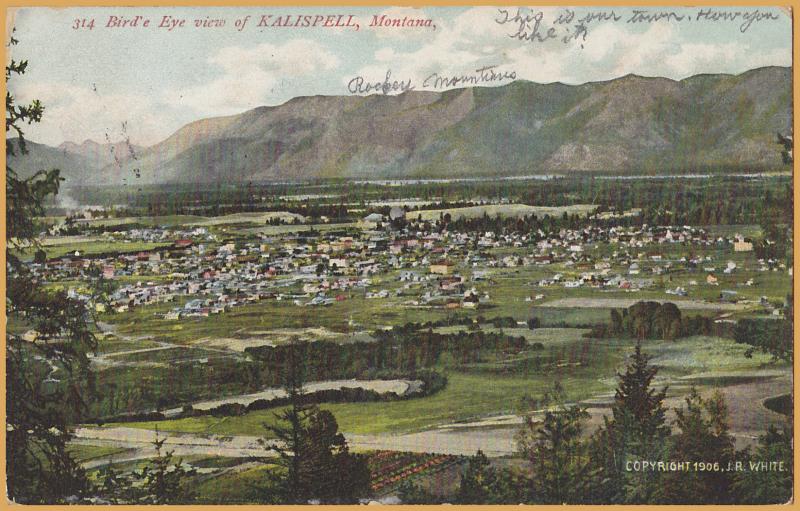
631,124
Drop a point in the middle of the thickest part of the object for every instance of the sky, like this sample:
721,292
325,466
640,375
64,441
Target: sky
144,83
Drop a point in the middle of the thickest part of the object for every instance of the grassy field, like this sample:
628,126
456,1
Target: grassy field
275,230
247,486
470,393
68,240
586,368
554,316
54,250
747,230
251,218
354,314
187,220
165,220
466,396
112,344
82,453
624,303
706,355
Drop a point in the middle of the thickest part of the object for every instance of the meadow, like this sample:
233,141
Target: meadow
497,387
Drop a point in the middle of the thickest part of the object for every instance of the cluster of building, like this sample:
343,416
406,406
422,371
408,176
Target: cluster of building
431,268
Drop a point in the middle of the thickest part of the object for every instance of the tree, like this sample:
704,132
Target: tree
483,484
703,438
560,467
648,320
770,336
636,403
665,319
159,482
163,480
637,430
39,413
773,486
340,477
616,322
314,455
787,141
292,488
410,493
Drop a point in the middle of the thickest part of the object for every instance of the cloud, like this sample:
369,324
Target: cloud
213,78
246,77
78,113
249,76
473,39
694,58
455,46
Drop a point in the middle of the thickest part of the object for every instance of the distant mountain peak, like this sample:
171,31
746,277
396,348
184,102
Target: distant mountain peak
628,124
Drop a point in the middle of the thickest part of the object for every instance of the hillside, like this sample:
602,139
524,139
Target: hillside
101,155
80,164
628,125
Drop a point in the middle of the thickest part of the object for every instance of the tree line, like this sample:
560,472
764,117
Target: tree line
432,382
407,351
655,320
404,349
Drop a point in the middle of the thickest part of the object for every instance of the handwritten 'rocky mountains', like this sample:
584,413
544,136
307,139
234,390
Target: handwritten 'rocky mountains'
627,125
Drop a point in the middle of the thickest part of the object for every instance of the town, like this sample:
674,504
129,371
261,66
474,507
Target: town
429,268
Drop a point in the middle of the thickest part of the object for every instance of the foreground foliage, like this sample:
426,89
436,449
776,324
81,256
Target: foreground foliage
318,466
47,375
565,467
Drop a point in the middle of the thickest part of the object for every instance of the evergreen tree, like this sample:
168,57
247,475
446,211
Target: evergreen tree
561,472
637,402
703,438
163,480
293,487
483,484
39,413
773,486
339,477
637,430
159,482
314,455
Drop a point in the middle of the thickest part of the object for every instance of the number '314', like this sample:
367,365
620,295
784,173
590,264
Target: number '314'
83,23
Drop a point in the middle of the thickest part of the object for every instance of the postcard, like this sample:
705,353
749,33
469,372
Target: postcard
399,255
